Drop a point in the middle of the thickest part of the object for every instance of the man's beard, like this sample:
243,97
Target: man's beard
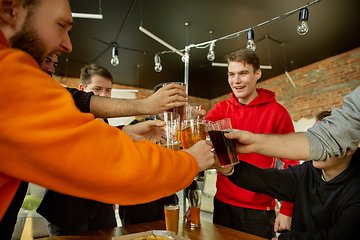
28,40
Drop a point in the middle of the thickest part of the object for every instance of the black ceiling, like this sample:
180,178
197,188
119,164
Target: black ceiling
334,28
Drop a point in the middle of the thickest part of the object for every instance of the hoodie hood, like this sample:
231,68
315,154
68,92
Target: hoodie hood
264,96
349,172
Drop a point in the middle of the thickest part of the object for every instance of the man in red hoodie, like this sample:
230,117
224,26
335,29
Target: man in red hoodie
256,110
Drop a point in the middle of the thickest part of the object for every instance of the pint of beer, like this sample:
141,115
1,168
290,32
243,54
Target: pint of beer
194,197
225,148
172,217
192,131
179,110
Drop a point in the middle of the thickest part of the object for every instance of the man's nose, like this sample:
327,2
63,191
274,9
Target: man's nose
237,78
66,45
52,69
102,94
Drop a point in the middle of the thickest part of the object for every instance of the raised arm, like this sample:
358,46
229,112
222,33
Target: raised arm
338,133
293,146
331,137
170,96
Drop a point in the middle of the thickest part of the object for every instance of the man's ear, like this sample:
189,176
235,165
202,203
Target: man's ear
351,152
81,87
8,11
258,74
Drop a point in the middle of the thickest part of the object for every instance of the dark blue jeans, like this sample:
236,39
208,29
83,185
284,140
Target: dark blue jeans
102,216
256,222
147,212
7,224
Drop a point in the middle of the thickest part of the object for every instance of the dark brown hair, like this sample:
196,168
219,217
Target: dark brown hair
93,69
321,115
246,57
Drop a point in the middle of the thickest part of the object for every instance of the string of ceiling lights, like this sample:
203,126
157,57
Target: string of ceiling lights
302,29
114,53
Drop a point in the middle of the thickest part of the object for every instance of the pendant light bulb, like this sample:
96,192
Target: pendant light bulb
211,54
251,46
303,28
114,59
158,66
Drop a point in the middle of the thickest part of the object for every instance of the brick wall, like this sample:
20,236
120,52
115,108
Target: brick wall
319,86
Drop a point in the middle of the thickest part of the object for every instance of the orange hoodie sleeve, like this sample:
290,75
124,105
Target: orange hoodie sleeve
46,140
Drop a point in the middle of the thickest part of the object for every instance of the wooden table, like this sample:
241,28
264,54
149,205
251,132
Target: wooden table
207,231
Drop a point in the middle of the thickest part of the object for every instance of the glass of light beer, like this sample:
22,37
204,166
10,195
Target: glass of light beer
192,131
194,197
172,217
192,111
170,138
225,148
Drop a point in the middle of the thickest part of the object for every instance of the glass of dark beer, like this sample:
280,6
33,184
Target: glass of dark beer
225,148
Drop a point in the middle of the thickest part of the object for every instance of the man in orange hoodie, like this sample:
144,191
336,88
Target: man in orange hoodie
38,128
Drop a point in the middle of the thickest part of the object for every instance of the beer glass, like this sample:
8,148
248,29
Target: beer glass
192,111
194,202
225,148
179,110
170,138
192,131
172,217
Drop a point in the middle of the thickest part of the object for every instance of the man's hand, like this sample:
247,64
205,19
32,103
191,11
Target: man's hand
149,130
168,97
245,141
219,167
282,222
194,113
201,151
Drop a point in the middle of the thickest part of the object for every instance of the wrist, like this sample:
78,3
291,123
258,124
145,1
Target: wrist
142,108
228,171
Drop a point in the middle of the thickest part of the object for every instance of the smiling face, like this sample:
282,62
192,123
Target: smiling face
242,80
45,29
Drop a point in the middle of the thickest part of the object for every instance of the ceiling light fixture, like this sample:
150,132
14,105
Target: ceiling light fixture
214,64
211,54
87,15
303,28
160,40
157,60
115,58
251,46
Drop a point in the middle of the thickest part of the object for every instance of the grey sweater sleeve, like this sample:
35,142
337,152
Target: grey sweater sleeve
337,133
